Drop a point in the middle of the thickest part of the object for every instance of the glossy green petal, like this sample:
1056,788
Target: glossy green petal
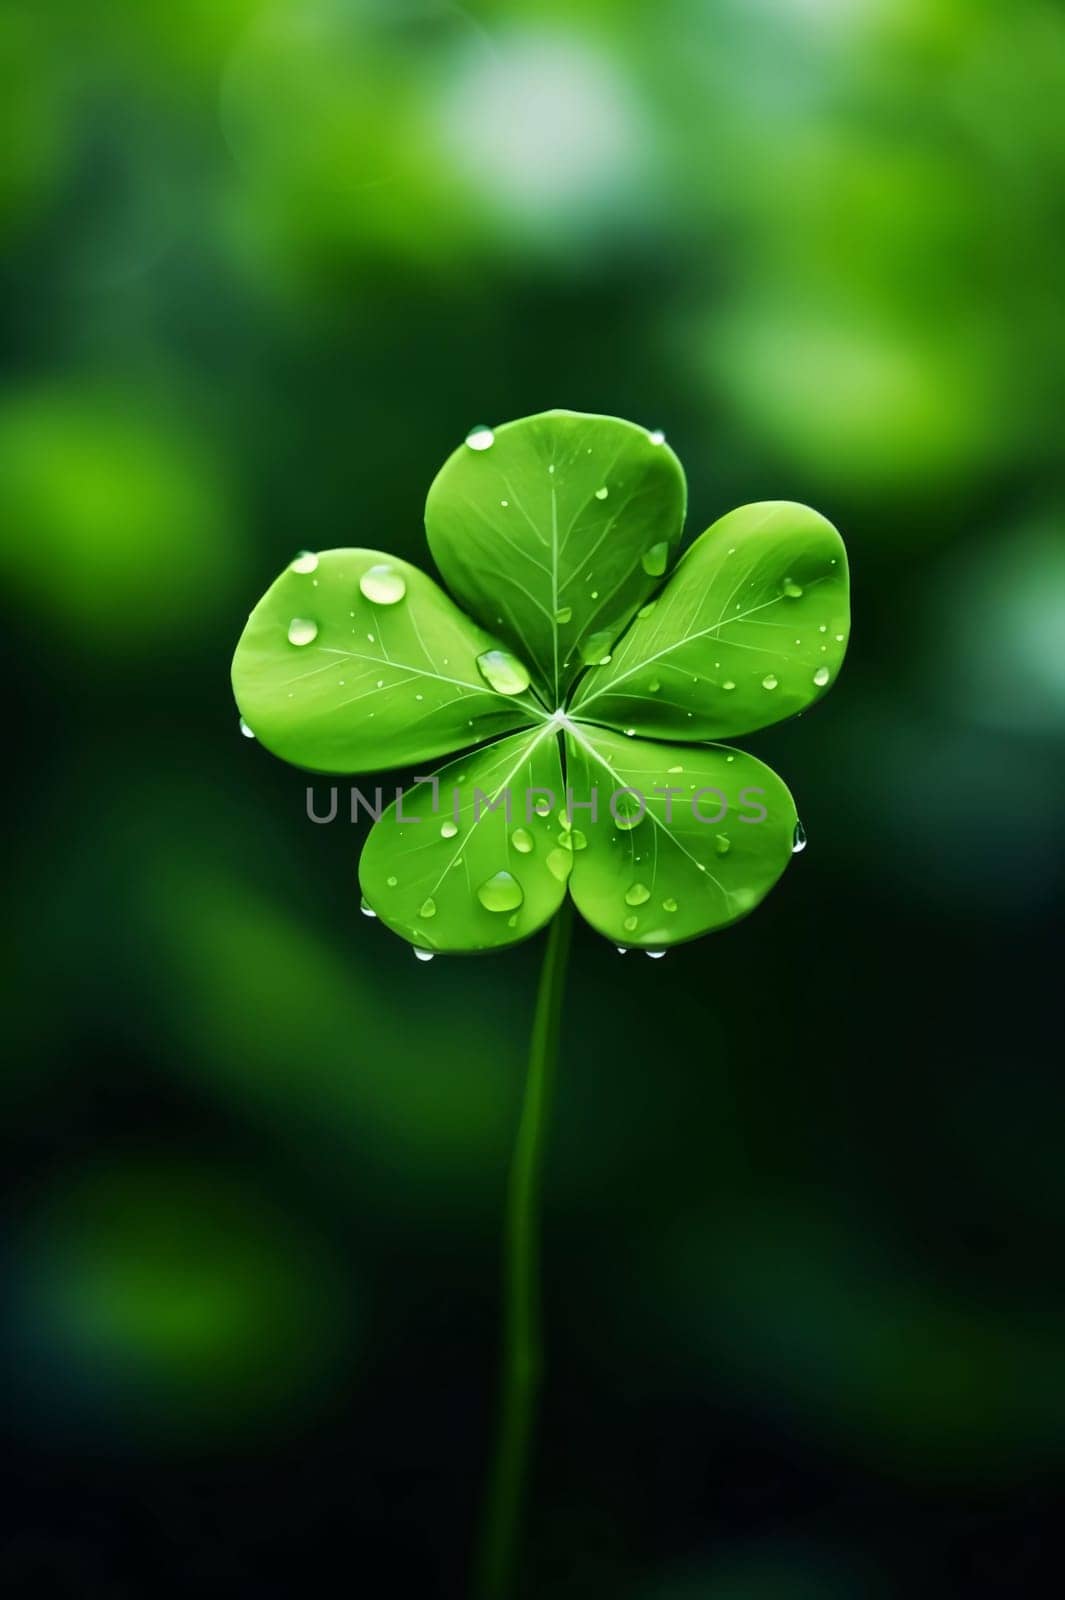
354,661
657,867
449,874
751,628
554,530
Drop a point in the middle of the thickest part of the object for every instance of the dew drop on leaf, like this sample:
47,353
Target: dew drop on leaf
821,677
669,905
656,436
770,681
631,924
522,840
391,881
560,864
564,614
448,829
791,589
503,672
383,584
501,892
245,730
645,611
306,561
622,949
637,894
655,560
366,908
301,630
655,955
601,494
728,684
422,955
578,840
722,844
480,438
798,839
427,908
595,650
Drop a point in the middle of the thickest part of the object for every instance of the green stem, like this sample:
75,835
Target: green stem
522,1335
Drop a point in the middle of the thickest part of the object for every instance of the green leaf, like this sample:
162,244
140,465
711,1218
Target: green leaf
447,873
336,681
553,530
696,859
750,629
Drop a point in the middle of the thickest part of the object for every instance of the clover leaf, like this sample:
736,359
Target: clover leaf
581,700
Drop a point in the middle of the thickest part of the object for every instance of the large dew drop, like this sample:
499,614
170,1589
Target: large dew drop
560,864
655,560
480,438
448,829
564,614
306,561
790,588
383,584
821,677
422,955
522,840
595,649
503,672
637,894
427,908
301,630
501,892
770,681
798,839
366,908
656,436
245,730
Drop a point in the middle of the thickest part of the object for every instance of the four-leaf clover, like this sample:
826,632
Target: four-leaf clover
587,696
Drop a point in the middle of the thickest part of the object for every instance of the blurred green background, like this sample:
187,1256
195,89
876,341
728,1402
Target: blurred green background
262,264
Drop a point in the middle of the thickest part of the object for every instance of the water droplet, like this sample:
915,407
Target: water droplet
559,864
504,504
383,584
821,677
302,631
675,769
306,561
637,894
366,908
798,839
480,438
770,681
622,949
512,922
728,684
595,594
839,638
790,588
422,955
645,611
522,840
595,650
245,730
631,924
628,813
503,672
501,892
601,494
391,882
578,840
564,614
656,436
822,627
551,469
669,905
722,844
427,908
630,733
655,955
655,560
448,829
